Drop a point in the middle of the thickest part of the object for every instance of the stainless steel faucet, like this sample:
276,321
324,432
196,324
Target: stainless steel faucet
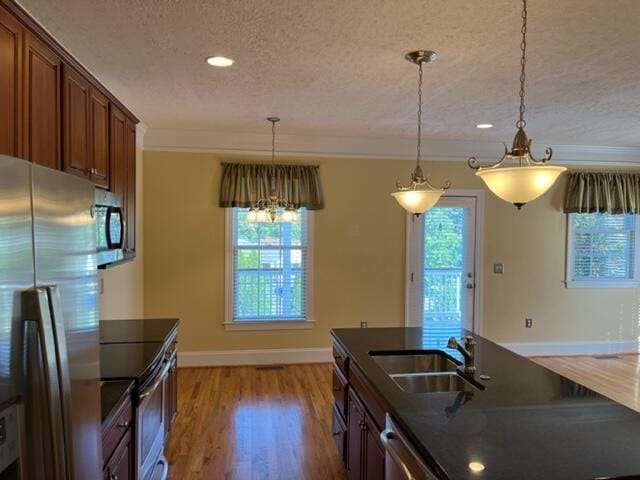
467,352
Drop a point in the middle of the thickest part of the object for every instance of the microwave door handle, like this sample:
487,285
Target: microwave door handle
35,308
120,243
60,337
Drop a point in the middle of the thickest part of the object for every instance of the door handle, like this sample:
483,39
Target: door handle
36,309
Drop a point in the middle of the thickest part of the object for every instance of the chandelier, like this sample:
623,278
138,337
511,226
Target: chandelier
419,195
272,209
530,178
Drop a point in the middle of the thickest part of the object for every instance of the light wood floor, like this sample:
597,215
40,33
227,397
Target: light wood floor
617,378
248,424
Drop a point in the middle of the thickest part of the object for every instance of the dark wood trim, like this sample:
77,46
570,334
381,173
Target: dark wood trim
374,404
40,32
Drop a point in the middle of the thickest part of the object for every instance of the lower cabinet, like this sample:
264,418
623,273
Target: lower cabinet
339,432
364,453
120,466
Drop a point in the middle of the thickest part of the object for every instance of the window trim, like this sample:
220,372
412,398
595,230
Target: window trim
274,324
600,283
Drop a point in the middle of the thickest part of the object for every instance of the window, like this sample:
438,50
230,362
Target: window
602,250
268,272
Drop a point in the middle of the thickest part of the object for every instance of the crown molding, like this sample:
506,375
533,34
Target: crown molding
225,142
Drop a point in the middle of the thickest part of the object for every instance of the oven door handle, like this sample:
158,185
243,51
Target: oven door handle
162,375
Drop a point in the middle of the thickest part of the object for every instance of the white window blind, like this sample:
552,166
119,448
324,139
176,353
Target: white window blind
270,269
603,250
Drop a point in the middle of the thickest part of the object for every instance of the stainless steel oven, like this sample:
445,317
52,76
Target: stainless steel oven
110,228
150,427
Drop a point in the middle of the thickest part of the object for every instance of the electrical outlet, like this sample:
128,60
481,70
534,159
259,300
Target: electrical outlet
498,268
528,323
101,286
363,324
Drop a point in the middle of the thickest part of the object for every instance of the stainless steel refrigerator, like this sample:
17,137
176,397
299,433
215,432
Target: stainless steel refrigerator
49,342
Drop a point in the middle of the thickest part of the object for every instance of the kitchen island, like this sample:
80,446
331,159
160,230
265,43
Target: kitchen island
512,419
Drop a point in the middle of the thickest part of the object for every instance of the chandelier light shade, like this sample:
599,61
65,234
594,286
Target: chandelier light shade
531,178
419,195
272,209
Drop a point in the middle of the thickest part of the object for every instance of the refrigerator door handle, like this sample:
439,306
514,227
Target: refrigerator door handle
64,379
36,308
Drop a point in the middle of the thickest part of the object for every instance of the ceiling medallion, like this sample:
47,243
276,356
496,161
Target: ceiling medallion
419,195
530,178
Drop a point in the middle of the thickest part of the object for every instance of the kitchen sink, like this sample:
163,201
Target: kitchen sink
423,362
433,382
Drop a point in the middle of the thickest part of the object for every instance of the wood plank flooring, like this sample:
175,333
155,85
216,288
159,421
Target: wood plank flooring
248,424
617,378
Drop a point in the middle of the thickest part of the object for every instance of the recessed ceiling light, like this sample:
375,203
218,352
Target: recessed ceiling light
484,125
219,61
476,467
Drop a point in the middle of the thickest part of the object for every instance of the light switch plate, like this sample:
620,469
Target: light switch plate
498,268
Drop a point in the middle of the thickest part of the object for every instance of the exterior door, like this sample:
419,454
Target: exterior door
441,267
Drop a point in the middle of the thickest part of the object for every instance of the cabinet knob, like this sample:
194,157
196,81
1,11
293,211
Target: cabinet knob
124,424
113,477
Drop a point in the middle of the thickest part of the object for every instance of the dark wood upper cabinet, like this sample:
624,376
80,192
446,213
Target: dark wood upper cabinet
42,117
99,138
130,214
118,154
11,44
75,123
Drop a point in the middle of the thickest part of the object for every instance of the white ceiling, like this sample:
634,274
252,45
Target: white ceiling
336,68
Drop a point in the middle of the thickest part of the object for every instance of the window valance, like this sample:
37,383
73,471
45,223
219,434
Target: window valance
602,192
243,184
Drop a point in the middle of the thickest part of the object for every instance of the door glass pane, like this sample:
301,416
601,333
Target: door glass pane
443,288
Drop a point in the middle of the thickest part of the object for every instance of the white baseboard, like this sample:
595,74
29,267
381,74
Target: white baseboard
214,358
532,349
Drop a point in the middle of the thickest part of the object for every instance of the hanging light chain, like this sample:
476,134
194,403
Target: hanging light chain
419,114
523,61
273,141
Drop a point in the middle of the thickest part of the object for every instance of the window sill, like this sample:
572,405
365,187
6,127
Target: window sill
601,284
269,325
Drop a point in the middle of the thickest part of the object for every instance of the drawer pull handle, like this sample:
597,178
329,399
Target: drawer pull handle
124,424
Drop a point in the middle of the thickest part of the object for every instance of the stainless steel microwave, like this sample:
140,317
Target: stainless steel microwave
110,228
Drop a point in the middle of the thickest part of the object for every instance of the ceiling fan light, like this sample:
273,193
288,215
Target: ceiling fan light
417,201
520,185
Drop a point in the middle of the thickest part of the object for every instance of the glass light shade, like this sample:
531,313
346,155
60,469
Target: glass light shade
520,185
417,201
251,215
288,215
262,216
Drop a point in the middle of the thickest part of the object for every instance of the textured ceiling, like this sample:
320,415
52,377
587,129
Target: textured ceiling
336,67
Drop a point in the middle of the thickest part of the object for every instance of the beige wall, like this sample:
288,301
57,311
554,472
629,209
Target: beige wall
123,292
359,258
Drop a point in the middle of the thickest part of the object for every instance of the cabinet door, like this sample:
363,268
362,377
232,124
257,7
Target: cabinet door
11,44
339,433
41,135
99,138
75,123
118,156
373,452
355,426
120,466
130,206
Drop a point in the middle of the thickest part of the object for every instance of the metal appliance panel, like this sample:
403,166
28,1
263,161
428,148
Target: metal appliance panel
64,253
16,275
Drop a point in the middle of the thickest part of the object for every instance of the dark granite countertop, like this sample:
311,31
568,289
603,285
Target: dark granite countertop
137,330
529,422
135,361
111,392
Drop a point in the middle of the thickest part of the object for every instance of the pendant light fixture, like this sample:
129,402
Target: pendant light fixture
530,178
274,208
420,195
